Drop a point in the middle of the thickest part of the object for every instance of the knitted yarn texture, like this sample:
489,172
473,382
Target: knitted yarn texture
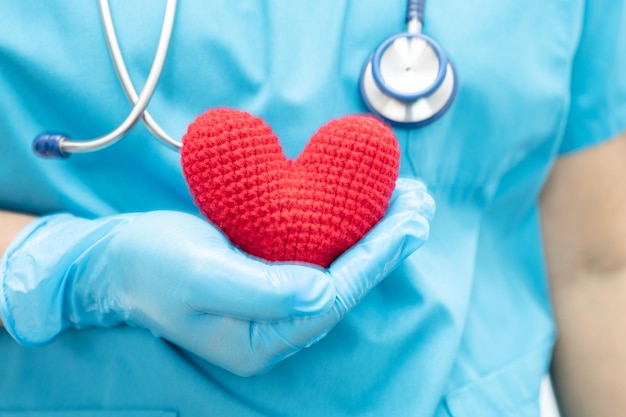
308,210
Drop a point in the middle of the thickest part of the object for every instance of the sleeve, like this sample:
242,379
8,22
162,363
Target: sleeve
598,82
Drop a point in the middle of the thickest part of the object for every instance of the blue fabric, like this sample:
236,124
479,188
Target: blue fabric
463,328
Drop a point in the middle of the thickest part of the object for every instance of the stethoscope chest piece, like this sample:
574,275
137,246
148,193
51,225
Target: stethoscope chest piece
408,80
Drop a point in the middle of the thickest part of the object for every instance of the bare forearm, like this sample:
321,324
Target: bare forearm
10,225
583,211
589,365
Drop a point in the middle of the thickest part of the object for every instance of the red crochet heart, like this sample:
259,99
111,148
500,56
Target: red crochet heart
309,210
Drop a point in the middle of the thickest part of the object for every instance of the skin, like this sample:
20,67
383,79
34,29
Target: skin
10,225
583,209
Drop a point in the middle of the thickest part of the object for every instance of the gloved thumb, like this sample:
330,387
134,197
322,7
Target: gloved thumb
403,230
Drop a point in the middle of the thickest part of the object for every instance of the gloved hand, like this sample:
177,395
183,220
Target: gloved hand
179,277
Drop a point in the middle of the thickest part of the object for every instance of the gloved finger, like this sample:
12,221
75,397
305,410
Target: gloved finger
275,342
222,341
402,231
250,289
242,347
248,348
417,188
192,265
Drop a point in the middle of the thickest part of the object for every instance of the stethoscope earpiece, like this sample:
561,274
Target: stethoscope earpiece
49,145
409,80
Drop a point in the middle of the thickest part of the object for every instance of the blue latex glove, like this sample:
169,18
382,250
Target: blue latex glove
179,277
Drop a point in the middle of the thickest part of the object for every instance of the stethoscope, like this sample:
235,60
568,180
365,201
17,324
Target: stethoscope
408,81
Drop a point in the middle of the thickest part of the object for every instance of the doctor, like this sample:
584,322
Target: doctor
527,245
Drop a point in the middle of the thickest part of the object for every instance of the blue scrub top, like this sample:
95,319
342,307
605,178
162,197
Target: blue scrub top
462,329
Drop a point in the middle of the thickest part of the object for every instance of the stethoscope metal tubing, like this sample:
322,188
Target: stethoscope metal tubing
46,143
124,77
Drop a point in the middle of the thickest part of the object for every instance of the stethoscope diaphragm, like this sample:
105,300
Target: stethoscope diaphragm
408,80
